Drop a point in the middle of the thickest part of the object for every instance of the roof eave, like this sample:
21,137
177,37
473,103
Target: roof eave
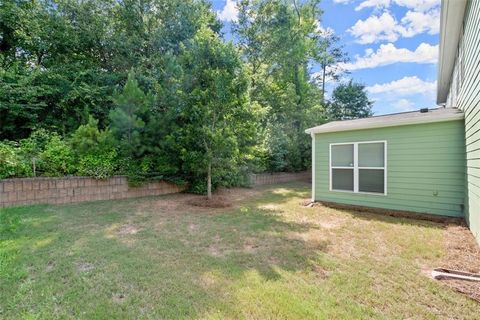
449,117
450,26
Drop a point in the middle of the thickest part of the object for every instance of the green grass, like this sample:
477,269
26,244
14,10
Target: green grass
265,258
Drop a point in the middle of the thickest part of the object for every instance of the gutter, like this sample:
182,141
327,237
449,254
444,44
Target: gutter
385,124
451,25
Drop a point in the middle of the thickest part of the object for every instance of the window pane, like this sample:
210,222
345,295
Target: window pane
371,154
371,180
342,155
342,179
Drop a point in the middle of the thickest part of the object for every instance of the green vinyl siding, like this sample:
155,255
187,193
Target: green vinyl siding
425,168
465,95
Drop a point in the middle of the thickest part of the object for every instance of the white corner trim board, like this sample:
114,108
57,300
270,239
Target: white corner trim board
313,166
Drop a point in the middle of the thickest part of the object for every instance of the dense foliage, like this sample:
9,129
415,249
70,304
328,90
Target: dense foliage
349,101
150,88
279,41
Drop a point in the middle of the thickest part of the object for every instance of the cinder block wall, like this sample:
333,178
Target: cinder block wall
26,191
280,177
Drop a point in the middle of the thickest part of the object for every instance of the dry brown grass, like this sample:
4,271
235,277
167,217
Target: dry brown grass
462,253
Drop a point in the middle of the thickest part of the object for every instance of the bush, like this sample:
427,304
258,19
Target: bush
137,171
99,166
57,158
31,148
94,150
11,163
89,140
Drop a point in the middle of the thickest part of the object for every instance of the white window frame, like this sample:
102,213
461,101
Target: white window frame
356,168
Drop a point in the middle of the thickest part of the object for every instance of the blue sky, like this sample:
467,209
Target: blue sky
392,44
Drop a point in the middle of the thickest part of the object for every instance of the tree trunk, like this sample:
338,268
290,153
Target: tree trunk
209,181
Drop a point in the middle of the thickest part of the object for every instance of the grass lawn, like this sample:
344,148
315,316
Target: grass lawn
267,257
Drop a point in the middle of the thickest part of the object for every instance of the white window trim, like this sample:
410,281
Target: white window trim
356,168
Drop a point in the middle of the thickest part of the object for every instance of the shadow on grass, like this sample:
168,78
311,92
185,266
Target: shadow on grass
174,264
284,192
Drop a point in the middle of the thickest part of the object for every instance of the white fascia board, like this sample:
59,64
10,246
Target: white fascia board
391,123
451,22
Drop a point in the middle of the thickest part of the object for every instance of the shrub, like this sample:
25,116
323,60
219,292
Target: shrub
99,166
137,171
94,150
11,163
88,139
57,158
31,148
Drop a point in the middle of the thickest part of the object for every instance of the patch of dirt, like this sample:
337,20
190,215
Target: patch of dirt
215,251
128,229
307,203
269,207
170,205
207,280
50,266
118,297
215,202
331,224
320,272
313,239
85,266
237,194
462,253
250,245
217,248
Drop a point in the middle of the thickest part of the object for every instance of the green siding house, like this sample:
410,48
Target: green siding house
427,161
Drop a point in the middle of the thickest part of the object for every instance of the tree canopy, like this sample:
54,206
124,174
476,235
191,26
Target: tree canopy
349,101
151,89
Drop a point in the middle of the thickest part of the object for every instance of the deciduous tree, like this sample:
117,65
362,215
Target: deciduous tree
217,116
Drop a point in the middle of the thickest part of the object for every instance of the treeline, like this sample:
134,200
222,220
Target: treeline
149,88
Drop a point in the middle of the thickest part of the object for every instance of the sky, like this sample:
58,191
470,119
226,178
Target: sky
392,45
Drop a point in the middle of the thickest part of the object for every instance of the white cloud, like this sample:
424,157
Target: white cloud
375,28
415,22
389,54
373,3
229,11
404,105
406,86
385,27
417,5
342,1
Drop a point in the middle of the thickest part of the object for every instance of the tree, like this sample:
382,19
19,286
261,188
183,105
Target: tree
218,122
128,119
330,56
349,101
279,40
61,61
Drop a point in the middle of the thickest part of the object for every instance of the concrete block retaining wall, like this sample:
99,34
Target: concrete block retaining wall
27,191
280,177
